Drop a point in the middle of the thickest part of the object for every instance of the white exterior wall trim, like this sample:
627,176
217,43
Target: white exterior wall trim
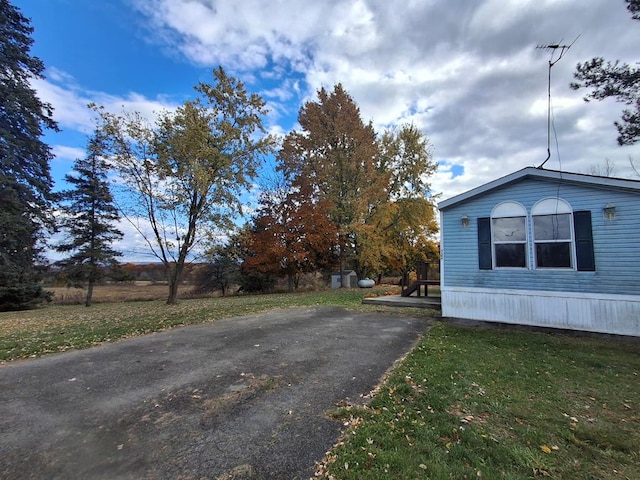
603,313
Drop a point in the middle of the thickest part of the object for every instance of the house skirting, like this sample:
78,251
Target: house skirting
604,313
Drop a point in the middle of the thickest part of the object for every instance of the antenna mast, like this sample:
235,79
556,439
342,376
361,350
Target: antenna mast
553,48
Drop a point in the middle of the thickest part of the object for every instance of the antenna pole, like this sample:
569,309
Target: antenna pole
548,117
552,62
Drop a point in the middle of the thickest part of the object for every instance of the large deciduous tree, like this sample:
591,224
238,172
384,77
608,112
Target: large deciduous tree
88,218
25,180
376,189
185,173
333,158
617,80
403,228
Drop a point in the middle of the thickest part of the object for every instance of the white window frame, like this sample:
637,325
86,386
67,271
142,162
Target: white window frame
510,209
553,206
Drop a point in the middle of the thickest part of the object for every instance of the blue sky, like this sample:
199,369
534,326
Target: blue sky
467,73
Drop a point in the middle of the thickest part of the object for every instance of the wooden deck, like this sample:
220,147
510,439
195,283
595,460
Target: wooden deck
427,273
400,301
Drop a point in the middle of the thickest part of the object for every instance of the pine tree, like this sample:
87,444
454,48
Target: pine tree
615,80
25,180
89,214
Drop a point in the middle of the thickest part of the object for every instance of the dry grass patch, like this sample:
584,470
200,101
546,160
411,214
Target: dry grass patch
138,291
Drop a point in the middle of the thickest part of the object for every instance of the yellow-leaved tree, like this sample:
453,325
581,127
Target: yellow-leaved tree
184,174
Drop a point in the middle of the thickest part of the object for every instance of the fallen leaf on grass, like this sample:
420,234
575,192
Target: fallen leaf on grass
539,472
545,449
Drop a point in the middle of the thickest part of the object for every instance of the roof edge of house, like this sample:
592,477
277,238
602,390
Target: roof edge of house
571,177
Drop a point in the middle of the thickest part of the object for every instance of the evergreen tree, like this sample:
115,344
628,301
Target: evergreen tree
615,80
25,180
88,218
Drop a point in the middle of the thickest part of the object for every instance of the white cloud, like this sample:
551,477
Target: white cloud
70,102
469,76
62,152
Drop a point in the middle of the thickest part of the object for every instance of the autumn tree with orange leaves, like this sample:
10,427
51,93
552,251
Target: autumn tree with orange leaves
373,192
291,234
333,160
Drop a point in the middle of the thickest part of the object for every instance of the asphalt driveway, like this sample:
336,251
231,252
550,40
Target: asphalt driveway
241,398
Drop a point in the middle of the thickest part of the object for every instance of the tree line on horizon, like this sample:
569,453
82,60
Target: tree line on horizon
341,196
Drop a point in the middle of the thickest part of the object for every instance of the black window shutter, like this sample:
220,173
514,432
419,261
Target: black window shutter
585,261
484,244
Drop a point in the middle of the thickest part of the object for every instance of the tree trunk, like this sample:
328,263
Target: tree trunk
173,292
92,280
87,302
342,262
174,274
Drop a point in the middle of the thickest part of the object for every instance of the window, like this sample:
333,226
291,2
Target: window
553,233
509,235
559,237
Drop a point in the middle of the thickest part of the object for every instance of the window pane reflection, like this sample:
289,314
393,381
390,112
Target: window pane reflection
552,227
510,255
553,255
509,229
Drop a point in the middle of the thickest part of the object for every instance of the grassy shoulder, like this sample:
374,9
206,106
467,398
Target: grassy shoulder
57,328
498,404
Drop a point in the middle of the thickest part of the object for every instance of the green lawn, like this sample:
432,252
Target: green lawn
499,404
464,404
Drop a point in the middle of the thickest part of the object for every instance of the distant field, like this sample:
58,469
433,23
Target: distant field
118,293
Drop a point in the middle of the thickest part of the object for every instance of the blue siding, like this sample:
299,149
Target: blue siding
616,242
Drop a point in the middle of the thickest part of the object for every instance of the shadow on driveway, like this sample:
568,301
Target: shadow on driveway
241,398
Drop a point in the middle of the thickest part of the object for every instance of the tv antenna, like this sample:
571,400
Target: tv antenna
559,50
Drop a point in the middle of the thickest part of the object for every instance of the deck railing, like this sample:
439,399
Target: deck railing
427,273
